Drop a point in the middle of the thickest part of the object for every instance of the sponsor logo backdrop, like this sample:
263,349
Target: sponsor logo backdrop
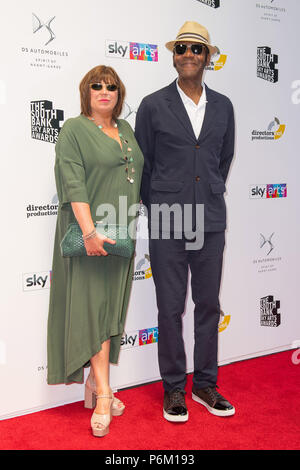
45,54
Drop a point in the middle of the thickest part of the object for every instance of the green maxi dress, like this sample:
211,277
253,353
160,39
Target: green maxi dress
89,295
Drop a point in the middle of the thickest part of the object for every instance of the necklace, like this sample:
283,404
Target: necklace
127,158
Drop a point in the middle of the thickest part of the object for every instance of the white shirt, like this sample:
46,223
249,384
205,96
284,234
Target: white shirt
195,111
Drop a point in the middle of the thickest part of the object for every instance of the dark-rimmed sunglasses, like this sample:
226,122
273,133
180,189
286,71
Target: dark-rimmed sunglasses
99,86
196,49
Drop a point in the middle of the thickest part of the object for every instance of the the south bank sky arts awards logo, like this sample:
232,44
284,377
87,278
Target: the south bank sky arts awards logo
274,131
45,121
266,64
41,50
131,50
269,315
210,3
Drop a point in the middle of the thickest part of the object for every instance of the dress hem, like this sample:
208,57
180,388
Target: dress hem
84,363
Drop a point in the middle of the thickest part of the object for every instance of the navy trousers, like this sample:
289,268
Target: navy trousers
170,262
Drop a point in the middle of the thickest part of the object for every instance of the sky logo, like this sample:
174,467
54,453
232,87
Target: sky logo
37,280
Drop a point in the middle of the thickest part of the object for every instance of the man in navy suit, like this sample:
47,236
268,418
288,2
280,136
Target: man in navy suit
186,133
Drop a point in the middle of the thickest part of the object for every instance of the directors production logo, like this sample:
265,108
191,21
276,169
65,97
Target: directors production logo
210,3
131,50
266,62
43,34
42,210
274,131
269,315
45,121
143,269
217,63
268,191
223,322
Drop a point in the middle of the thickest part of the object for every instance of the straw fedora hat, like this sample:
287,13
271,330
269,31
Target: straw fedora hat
193,32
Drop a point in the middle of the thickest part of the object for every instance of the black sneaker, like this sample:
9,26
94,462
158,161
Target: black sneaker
175,409
213,401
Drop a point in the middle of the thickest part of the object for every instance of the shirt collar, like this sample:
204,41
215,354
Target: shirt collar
187,100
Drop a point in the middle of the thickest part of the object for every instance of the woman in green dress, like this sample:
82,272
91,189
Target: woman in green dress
97,161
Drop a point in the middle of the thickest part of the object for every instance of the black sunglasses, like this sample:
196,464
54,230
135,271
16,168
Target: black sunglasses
99,86
196,49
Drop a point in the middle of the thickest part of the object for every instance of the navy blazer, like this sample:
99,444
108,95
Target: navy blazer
179,168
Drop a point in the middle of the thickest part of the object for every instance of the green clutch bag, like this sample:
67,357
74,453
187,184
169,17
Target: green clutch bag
72,243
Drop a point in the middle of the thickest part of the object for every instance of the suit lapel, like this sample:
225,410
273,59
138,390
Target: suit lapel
210,114
177,107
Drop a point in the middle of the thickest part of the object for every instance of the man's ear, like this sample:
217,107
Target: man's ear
174,61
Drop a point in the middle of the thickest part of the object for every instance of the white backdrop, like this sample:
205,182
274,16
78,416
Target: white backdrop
46,50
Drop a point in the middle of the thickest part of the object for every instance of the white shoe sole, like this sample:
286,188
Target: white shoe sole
176,418
222,413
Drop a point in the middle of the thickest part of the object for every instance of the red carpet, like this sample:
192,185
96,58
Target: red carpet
265,392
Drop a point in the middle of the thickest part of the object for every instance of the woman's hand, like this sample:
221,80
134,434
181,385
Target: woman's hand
94,246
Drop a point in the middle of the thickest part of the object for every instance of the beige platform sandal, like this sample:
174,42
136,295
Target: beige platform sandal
100,422
118,406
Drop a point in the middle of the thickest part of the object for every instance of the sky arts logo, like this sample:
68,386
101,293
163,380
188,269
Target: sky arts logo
266,63
139,338
131,50
274,131
217,63
268,191
211,3
37,281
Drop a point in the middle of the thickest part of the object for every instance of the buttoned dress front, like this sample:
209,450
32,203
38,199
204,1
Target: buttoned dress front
89,295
